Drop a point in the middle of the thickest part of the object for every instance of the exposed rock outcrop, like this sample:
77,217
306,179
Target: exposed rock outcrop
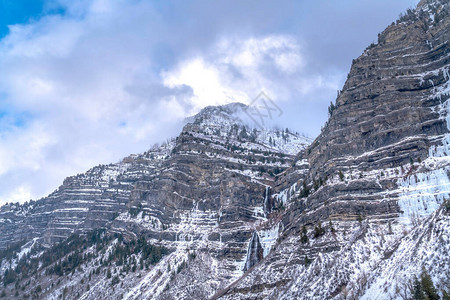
247,213
379,167
254,252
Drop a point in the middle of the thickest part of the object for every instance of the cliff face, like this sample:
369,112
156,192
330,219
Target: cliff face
389,121
213,154
249,214
84,201
209,197
391,97
376,172
206,191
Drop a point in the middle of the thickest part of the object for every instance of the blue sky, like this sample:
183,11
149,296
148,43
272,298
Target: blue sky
90,81
13,12
19,11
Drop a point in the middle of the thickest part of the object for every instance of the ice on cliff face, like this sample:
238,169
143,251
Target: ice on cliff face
423,193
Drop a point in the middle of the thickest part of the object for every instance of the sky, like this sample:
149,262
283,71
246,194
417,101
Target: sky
89,82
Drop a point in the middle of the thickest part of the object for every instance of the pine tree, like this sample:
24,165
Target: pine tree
304,238
428,287
65,291
307,261
341,175
360,219
331,108
331,227
305,190
417,290
318,230
445,295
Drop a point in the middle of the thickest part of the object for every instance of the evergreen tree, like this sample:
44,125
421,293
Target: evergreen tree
417,290
304,238
65,291
331,108
243,134
307,261
445,295
341,175
305,190
331,227
428,287
318,230
10,277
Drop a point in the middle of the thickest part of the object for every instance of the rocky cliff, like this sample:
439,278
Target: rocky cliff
378,172
227,211
206,191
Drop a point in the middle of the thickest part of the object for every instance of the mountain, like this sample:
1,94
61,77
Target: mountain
204,191
228,210
379,217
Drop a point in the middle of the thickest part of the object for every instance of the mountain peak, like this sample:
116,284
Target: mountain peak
231,113
232,122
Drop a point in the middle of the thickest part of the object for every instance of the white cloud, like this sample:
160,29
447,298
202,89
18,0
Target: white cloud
281,50
64,87
24,149
206,83
238,69
18,195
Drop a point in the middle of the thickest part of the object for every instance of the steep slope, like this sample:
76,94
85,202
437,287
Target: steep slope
204,192
96,197
378,169
232,212
211,196
88,200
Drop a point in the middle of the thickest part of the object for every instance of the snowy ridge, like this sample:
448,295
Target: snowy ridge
230,121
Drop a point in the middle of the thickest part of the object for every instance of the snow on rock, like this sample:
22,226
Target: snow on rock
231,121
423,192
427,246
268,238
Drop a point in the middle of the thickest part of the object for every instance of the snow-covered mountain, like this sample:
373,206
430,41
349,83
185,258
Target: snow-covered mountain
371,214
232,122
229,210
204,191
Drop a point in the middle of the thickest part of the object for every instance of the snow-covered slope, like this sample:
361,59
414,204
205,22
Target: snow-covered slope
202,194
232,211
369,212
232,122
